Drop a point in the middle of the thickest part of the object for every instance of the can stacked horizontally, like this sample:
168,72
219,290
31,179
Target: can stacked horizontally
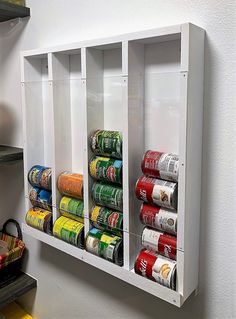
106,216
70,225
40,196
157,188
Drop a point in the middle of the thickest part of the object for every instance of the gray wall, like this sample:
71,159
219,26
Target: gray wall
68,288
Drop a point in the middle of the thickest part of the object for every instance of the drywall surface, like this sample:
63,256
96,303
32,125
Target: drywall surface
68,288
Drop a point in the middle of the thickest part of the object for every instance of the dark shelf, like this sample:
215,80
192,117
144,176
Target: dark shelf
10,154
16,288
10,11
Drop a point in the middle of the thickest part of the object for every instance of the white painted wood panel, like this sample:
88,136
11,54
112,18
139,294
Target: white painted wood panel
149,85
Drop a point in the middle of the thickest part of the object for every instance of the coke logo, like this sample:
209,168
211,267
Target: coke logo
143,267
167,250
143,194
112,219
111,173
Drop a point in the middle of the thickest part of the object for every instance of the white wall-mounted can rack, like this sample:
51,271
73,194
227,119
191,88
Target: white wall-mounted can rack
147,84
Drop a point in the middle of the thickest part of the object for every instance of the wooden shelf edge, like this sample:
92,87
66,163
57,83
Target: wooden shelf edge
17,288
130,277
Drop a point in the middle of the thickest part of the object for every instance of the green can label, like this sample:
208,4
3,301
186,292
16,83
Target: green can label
106,169
69,230
72,206
93,240
107,219
107,143
107,195
107,246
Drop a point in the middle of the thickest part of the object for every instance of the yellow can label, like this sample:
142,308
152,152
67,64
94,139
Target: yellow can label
92,167
108,239
36,218
95,213
68,215
64,203
58,225
67,230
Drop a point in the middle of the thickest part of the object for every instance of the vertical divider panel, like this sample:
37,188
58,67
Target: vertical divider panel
54,188
92,71
126,217
192,38
133,53
59,80
85,153
36,106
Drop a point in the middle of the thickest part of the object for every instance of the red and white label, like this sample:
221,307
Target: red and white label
159,242
156,268
161,165
163,271
158,218
157,191
144,264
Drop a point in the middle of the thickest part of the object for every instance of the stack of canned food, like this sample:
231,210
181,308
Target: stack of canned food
40,196
70,225
106,216
157,188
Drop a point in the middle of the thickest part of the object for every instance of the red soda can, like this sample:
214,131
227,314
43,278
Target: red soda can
157,191
161,165
158,218
161,243
157,268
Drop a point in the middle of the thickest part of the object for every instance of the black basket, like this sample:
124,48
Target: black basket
12,270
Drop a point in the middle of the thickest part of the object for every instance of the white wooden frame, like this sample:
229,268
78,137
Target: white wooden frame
48,95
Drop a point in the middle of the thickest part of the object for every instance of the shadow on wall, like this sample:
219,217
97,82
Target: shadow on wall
74,279
12,192
11,176
7,124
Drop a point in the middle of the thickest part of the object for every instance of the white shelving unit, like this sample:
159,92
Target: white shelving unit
149,85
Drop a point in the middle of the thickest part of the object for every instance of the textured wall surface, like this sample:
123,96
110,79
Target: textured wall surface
67,287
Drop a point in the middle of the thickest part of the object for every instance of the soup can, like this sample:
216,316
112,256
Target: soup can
46,179
105,245
40,219
71,184
111,248
163,244
72,208
107,143
110,196
161,165
157,191
40,176
92,241
157,268
69,230
158,218
41,198
107,220
106,169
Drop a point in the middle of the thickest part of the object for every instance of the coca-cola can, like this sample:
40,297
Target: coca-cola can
157,191
163,244
161,165
158,218
157,268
